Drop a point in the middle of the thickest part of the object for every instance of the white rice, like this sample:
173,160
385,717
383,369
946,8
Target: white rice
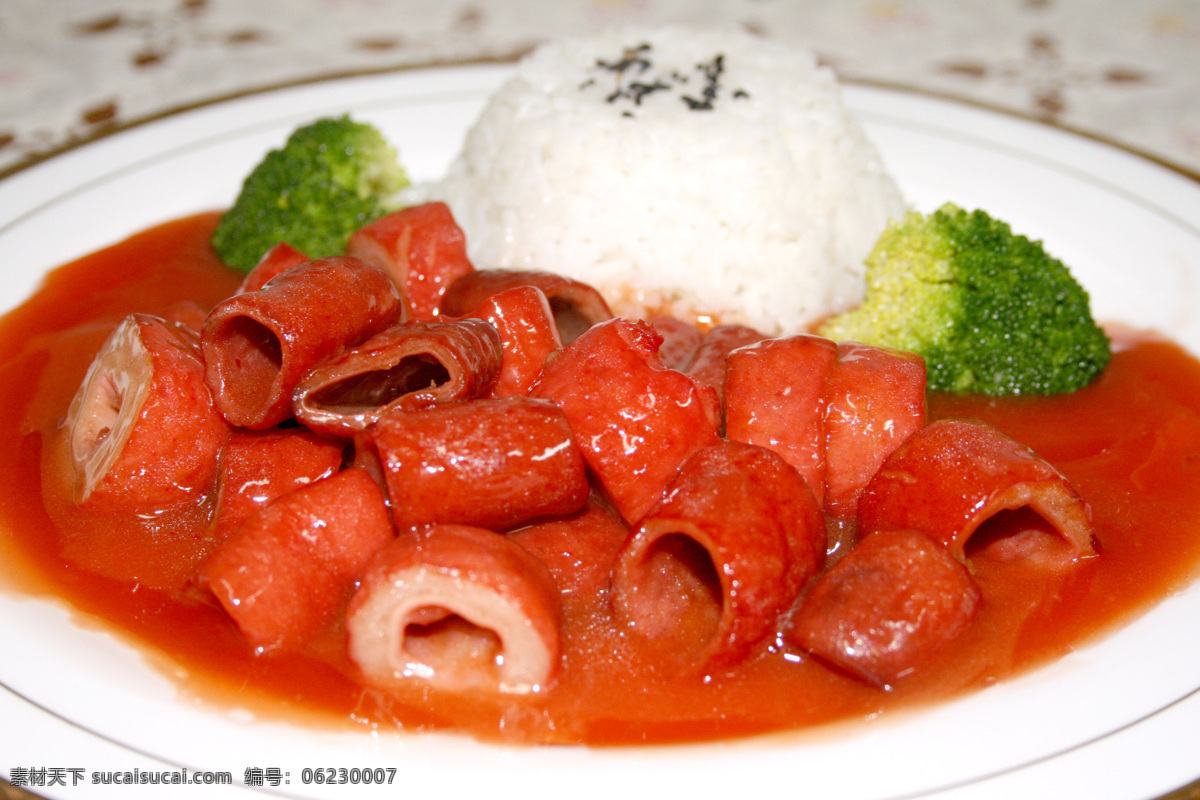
758,210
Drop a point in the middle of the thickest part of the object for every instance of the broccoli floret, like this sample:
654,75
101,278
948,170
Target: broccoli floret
990,310
330,178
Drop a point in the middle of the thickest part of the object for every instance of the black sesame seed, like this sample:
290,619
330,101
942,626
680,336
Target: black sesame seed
638,59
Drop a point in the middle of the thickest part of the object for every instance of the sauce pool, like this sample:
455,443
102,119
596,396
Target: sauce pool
1130,443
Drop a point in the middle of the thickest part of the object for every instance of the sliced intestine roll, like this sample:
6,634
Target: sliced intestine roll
775,397
576,306
579,549
411,365
143,429
187,313
258,345
635,420
710,569
710,361
679,341
129,476
276,261
875,400
954,476
834,411
289,570
494,463
259,466
528,336
886,607
460,608
422,248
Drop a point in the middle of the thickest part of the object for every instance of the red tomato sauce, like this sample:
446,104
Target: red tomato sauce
1130,443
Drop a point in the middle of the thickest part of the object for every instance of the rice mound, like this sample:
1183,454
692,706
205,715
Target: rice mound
705,174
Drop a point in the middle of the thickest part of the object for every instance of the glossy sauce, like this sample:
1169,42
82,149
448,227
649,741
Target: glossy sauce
1130,443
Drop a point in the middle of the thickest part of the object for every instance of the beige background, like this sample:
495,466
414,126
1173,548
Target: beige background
1124,70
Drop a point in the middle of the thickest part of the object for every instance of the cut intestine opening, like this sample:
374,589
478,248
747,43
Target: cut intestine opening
103,412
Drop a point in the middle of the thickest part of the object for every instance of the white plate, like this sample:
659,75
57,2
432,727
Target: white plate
1118,719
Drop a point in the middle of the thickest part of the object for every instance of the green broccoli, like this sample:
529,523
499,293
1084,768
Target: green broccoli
330,178
991,311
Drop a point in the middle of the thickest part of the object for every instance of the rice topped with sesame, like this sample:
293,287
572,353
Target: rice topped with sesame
710,175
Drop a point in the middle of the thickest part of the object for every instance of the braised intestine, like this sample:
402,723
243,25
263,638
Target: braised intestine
411,365
143,431
289,569
140,442
461,608
277,260
576,306
424,251
422,459
491,463
528,336
709,363
710,569
875,400
775,397
635,420
953,476
887,607
259,466
258,345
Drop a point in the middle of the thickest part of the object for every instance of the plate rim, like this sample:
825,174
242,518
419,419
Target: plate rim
510,58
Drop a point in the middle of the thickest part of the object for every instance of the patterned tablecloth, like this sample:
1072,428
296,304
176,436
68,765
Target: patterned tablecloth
1127,71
